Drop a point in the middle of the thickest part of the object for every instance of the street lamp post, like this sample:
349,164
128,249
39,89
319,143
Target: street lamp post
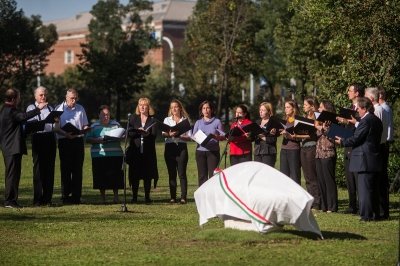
171,47
38,81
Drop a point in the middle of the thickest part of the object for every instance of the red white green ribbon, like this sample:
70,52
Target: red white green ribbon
253,215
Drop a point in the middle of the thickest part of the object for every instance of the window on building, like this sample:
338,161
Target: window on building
69,57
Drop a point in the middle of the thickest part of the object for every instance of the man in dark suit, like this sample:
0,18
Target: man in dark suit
354,92
12,143
365,159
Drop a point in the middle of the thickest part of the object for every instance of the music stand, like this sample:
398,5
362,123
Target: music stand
124,208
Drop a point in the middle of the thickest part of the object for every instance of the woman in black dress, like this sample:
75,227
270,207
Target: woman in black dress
141,153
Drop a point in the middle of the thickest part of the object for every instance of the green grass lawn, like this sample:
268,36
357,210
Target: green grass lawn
164,234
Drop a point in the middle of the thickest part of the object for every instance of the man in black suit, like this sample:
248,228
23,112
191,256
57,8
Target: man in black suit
354,92
12,143
365,159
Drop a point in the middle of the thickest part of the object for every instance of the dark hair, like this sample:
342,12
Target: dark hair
11,94
294,105
104,106
365,103
209,104
358,87
244,110
328,105
311,100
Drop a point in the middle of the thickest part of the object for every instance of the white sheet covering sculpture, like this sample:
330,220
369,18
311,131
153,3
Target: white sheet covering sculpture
257,195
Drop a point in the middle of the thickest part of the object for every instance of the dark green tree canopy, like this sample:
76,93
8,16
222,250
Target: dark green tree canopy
113,56
25,45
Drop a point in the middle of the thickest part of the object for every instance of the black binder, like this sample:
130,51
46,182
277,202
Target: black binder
276,123
34,126
68,127
347,113
340,131
327,116
52,115
254,129
181,127
304,126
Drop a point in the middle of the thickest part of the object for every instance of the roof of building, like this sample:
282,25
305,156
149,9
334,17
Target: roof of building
167,10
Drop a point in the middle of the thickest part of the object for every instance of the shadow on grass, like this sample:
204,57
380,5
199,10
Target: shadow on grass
328,235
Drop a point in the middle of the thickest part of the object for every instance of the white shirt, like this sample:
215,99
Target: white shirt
383,116
389,114
76,116
171,122
43,114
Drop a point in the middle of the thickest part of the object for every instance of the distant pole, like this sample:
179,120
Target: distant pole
171,47
251,89
38,81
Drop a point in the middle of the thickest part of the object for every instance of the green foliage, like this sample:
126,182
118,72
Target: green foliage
24,47
328,45
112,63
218,60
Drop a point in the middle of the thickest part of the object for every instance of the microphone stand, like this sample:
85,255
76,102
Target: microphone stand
224,153
124,208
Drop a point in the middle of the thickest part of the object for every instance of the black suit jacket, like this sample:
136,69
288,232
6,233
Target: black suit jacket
365,143
12,140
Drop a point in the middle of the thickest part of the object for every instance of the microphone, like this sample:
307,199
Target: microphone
129,115
238,117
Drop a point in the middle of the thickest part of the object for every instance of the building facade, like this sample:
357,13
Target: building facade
169,21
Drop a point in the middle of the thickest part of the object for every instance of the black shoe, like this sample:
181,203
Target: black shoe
37,204
183,201
12,205
148,201
134,200
172,201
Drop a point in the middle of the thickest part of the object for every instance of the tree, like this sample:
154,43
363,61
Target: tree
25,45
112,59
219,49
334,43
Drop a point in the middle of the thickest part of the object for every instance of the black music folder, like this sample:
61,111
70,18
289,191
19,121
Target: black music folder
34,126
181,127
327,116
70,128
201,138
146,129
254,129
52,115
347,113
304,126
276,123
340,131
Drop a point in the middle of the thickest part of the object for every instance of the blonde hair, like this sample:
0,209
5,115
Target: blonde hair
146,101
268,107
183,112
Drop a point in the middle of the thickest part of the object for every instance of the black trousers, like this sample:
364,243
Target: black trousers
235,159
368,195
383,182
44,156
290,164
206,161
176,157
72,154
12,165
307,158
268,159
351,182
327,184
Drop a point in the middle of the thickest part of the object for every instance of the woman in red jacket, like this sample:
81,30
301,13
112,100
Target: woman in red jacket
240,148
